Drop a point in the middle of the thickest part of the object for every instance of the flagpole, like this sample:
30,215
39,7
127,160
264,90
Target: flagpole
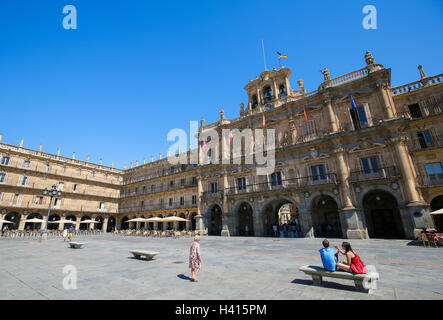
264,55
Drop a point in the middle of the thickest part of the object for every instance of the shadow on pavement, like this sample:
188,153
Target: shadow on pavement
183,277
325,284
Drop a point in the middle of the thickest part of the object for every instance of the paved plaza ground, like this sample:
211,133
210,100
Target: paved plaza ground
233,268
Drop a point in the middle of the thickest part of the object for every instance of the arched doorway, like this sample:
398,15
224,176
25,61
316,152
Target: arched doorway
282,219
99,225
13,217
84,226
52,219
382,215
436,204
215,221
326,217
71,218
182,224
245,220
124,224
33,225
111,224
193,222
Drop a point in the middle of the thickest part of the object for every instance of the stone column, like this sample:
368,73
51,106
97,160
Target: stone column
188,223
2,216
331,115
275,89
199,223
175,225
77,223
407,170
23,217
155,226
306,223
105,224
44,223
258,93
61,225
259,228
350,220
288,87
226,212
387,107
415,213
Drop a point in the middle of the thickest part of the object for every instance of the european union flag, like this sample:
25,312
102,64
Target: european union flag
354,105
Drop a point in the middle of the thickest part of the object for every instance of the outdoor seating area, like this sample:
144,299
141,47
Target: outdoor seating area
156,233
36,234
431,238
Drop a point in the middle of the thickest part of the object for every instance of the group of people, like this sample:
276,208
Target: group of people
67,233
287,230
352,263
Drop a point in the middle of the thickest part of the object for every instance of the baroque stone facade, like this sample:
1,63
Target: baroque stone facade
367,171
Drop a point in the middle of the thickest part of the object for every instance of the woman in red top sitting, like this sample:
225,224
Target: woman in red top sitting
353,262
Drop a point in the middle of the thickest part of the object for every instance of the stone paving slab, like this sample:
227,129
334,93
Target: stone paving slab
233,268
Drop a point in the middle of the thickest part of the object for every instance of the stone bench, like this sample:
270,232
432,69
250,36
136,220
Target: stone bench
76,245
148,254
363,282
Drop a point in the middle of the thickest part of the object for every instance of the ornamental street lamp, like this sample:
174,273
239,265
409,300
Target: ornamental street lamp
52,193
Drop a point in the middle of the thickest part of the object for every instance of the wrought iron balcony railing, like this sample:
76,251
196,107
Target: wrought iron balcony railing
424,144
374,174
431,180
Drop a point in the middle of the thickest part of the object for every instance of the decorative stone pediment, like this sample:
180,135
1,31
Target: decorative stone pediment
315,155
365,145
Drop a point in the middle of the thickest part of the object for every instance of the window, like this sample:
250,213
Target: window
370,165
241,184
311,128
26,164
142,203
424,139
57,203
5,161
136,190
152,188
414,110
194,181
2,177
318,172
171,183
359,117
38,200
434,168
194,199
182,201
25,181
144,189
182,182
254,103
1,196
15,199
276,179
172,170
170,202
213,187
61,185
74,187
267,94
101,206
47,168
282,91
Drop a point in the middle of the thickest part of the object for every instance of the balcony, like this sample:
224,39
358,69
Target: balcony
421,144
158,189
422,112
296,183
431,180
158,206
374,174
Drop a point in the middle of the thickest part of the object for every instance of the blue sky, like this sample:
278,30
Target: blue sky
133,70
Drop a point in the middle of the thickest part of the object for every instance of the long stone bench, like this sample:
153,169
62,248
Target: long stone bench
76,245
148,254
363,282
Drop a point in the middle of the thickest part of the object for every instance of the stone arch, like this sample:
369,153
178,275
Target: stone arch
325,212
380,187
243,218
54,226
112,222
124,225
13,217
193,222
31,225
322,193
181,224
213,217
84,226
98,226
268,216
436,204
381,209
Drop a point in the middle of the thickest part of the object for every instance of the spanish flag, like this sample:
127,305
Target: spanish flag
264,121
306,115
281,56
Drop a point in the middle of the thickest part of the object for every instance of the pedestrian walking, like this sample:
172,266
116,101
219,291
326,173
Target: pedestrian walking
195,260
65,234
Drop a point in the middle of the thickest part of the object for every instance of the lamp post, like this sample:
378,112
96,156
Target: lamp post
52,193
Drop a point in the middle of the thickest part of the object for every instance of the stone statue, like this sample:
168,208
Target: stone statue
326,74
242,109
222,114
369,58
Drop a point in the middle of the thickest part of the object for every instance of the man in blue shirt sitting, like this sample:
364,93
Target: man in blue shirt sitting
328,256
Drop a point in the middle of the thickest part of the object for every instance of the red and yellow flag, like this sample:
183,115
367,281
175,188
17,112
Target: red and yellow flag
282,57
306,115
264,121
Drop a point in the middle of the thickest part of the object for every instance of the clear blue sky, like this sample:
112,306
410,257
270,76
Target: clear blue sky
133,70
